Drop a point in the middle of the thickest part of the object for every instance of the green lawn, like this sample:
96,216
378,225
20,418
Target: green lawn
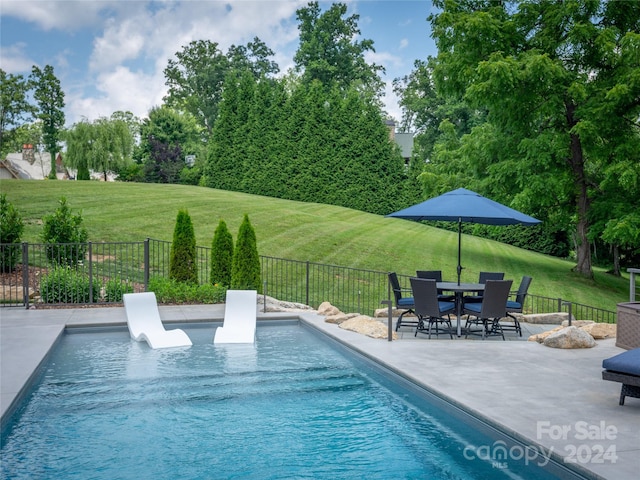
302,231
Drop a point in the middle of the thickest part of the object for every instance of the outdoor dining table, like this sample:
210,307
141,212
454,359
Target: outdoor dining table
459,289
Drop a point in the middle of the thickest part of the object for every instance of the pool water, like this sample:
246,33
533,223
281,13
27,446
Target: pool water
292,406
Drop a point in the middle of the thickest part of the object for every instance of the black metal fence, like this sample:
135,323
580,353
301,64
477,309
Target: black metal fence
101,272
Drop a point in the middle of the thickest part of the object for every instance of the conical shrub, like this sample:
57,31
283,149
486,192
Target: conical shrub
245,272
182,264
221,256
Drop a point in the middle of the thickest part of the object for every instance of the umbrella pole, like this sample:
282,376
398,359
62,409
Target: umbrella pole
459,242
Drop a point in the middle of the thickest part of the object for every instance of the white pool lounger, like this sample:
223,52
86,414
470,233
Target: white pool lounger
239,324
143,320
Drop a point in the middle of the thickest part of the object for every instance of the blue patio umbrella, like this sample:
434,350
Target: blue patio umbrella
463,205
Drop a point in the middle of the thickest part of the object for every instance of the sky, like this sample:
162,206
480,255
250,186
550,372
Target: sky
110,55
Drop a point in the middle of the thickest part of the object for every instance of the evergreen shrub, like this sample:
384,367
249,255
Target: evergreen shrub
182,263
245,272
172,291
11,228
114,289
64,284
65,236
221,256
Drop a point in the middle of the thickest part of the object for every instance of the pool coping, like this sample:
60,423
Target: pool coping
526,389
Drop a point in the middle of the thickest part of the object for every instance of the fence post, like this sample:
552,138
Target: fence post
25,274
146,264
559,304
90,273
307,285
570,308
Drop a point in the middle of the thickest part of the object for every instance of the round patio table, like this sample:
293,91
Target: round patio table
459,289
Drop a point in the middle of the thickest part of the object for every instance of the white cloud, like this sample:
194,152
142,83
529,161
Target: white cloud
15,60
404,43
120,89
67,15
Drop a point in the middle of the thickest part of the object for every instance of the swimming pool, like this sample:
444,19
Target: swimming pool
293,406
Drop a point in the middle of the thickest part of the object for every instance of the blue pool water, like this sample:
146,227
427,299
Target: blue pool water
292,406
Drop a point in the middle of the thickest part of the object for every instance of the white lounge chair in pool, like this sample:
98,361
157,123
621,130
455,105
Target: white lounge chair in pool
239,324
143,320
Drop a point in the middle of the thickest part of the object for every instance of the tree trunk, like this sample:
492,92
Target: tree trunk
616,261
52,173
576,160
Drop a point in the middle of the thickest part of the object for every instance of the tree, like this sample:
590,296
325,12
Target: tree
559,82
221,256
65,235
11,228
112,147
80,139
245,273
182,262
50,99
15,109
196,78
167,136
328,51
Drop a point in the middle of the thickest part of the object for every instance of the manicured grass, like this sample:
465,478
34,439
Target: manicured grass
302,231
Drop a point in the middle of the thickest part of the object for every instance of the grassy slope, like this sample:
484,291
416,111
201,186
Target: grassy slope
302,231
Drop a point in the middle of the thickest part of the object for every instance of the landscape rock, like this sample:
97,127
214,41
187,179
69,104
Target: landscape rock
270,304
539,337
577,323
555,318
340,317
367,326
600,331
326,308
570,337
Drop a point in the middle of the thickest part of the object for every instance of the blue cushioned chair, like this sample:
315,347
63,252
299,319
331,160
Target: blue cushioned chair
517,305
402,303
430,311
488,313
624,368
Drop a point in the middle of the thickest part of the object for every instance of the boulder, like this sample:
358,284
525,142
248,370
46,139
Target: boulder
367,326
340,317
570,337
539,337
577,323
326,308
545,318
395,312
600,330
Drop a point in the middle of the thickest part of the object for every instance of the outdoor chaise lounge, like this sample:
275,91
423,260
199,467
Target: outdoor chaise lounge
624,368
240,312
143,320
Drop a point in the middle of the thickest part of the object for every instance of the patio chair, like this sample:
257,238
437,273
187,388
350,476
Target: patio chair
437,276
240,312
517,305
624,368
402,303
430,311
482,278
143,320
488,313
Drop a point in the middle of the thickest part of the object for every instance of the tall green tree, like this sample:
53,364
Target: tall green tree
329,51
113,145
166,137
182,260
197,75
559,82
80,139
245,272
221,256
15,110
50,99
